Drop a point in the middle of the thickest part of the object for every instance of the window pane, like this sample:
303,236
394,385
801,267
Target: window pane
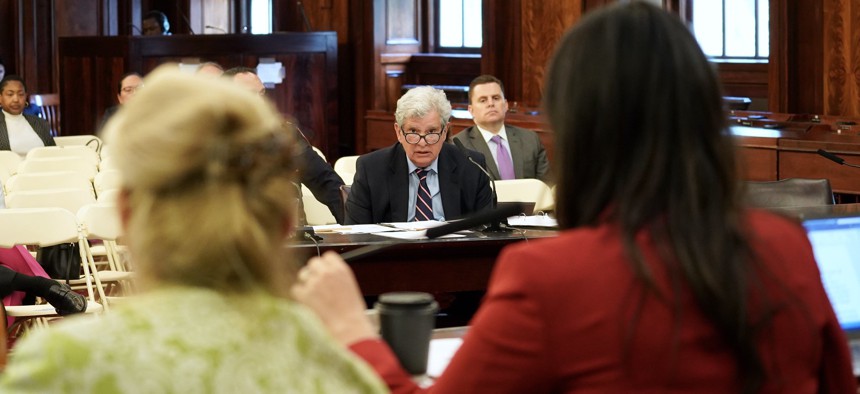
472,24
763,28
451,23
708,26
261,16
740,28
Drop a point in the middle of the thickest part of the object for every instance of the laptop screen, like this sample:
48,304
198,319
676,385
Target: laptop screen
836,244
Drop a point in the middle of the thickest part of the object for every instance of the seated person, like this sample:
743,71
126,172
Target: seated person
206,204
314,172
521,153
21,274
662,281
20,132
387,185
129,84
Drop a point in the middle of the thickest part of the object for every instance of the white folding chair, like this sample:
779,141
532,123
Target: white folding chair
77,151
107,180
42,227
54,164
109,196
101,222
91,141
9,162
522,190
69,199
316,213
345,167
319,152
45,181
108,163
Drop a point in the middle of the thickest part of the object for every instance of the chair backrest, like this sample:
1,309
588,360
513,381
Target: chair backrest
37,226
58,164
109,196
316,213
522,190
100,221
108,163
107,180
50,105
9,162
47,180
79,152
791,192
69,199
345,165
91,141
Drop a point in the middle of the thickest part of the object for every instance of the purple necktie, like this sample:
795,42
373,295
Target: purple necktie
424,202
503,159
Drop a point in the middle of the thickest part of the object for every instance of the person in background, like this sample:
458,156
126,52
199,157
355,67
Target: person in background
314,172
129,84
517,153
420,177
155,23
20,132
205,216
660,280
211,69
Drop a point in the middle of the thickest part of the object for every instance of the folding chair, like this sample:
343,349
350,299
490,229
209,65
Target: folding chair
79,152
101,222
42,227
70,199
345,167
54,164
91,141
107,180
529,191
46,181
9,162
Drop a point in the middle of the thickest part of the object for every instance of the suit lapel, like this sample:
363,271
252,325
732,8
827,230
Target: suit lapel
398,185
476,140
449,186
4,134
516,150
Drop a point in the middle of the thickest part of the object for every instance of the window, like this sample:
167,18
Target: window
261,16
732,29
459,27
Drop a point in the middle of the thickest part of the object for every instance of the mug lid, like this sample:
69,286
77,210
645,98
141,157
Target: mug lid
406,298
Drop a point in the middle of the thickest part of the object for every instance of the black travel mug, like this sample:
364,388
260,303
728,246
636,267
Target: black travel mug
406,320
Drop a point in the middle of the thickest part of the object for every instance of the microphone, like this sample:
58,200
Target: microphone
491,215
495,226
304,15
216,28
835,159
185,19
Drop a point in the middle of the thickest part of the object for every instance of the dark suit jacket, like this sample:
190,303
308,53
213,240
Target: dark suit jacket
527,152
381,187
41,126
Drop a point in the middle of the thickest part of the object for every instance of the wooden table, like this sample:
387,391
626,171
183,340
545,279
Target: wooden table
437,265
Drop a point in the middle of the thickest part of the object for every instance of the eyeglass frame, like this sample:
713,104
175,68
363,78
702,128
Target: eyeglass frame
424,136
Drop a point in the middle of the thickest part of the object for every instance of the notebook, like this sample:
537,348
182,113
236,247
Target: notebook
836,245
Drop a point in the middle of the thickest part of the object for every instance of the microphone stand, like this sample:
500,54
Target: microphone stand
499,225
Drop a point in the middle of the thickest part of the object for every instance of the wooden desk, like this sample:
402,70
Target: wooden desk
438,265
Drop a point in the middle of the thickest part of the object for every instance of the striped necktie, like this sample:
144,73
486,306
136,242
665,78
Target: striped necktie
424,203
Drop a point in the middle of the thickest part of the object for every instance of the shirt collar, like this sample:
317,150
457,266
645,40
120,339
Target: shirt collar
433,166
487,135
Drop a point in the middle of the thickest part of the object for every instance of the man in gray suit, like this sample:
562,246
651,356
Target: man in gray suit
517,153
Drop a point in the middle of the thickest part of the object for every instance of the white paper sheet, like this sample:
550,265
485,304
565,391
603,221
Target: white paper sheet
441,353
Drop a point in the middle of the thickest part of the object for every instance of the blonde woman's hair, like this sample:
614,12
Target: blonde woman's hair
208,169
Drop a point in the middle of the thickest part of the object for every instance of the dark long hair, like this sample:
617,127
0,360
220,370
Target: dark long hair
641,141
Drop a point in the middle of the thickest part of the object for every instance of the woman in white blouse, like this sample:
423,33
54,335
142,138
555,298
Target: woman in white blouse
19,132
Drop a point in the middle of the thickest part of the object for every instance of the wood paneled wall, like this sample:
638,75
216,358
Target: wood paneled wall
841,57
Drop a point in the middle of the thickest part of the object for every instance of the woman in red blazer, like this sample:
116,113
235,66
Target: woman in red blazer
661,281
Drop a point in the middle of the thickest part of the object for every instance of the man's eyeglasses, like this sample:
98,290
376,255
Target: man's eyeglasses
429,138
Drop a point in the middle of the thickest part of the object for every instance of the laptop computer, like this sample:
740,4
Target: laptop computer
836,245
